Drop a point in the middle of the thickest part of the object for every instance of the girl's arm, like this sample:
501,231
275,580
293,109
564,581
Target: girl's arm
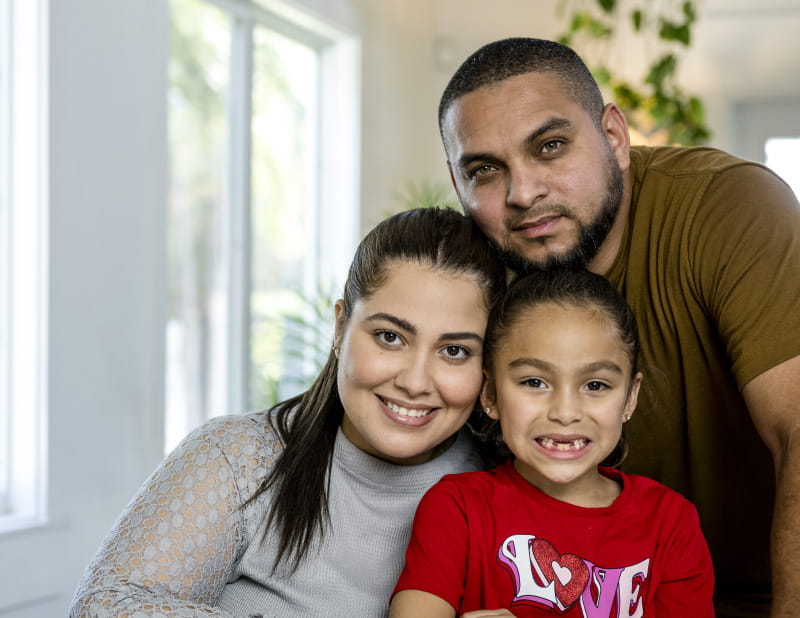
418,604
175,545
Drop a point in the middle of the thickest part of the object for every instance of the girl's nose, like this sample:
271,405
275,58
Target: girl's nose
565,409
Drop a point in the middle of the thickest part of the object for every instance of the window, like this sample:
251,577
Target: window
782,155
22,263
263,142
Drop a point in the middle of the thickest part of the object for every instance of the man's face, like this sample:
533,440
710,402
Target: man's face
534,171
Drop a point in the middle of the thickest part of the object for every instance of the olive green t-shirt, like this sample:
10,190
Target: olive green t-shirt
710,263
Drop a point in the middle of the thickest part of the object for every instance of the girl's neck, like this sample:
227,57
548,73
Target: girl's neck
595,491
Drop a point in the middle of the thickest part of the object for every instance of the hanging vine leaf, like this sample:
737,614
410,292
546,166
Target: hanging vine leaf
636,20
607,5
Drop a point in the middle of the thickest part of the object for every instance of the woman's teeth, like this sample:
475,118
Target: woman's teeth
563,445
406,412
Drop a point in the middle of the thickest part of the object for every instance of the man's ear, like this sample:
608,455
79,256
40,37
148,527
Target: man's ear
615,130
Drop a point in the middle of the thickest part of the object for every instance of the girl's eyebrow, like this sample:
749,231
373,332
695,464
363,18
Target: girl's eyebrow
410,328
536,363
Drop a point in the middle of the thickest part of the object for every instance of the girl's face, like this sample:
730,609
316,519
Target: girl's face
561,384
410,362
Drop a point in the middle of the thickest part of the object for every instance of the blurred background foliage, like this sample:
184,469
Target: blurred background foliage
655,105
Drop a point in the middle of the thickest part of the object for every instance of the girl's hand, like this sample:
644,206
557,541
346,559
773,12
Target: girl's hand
487,613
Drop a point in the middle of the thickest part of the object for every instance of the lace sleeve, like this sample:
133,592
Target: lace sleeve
176,544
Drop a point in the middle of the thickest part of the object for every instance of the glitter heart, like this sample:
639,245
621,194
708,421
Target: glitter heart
568,571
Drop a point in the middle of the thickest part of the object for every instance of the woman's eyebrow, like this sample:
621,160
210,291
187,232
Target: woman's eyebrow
399,322
410,328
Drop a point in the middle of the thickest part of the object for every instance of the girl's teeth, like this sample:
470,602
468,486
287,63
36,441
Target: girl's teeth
406,412
570,445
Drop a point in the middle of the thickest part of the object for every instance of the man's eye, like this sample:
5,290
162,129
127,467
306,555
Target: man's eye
552,146
481,170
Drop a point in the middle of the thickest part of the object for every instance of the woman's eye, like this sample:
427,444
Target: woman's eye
388,337
456,352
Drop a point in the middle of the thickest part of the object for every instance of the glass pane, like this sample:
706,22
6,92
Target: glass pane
284,226
198,87
783,153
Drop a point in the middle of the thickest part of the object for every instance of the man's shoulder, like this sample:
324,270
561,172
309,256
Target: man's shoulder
680,160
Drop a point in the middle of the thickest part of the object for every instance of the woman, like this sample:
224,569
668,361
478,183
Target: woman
306,509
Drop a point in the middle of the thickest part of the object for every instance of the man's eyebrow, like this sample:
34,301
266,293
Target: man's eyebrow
552,124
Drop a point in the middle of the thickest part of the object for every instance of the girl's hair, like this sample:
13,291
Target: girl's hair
572,287
307,424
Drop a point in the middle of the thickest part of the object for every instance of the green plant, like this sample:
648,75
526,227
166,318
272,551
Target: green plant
656,106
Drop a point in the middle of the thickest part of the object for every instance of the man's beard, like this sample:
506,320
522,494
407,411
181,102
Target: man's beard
590,237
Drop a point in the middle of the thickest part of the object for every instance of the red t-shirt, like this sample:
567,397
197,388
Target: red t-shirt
490,540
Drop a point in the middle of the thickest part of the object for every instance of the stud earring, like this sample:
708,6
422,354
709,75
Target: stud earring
627,417
488,411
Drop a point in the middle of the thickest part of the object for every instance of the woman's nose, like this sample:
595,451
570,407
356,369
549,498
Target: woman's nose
414,377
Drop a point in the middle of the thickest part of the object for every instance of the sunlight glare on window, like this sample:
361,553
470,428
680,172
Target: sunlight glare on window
783,157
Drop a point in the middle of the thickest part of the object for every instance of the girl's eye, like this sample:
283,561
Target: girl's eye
456,352
388,338
596,385
533,383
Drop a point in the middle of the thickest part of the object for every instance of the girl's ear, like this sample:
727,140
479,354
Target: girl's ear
488,397
633,396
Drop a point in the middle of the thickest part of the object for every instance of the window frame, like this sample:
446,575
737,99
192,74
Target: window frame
23,262
337,165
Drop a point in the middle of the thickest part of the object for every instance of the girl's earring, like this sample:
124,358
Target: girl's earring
627,417
488,411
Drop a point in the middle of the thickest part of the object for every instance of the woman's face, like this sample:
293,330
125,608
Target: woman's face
410,361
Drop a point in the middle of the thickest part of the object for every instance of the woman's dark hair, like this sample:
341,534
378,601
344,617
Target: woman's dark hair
507,58
573,287
308,423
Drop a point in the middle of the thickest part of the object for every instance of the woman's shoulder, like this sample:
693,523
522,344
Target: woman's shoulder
248,444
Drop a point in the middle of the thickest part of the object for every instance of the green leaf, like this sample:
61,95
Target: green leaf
636,20
661,70
602,76
607,5
670,31
689,12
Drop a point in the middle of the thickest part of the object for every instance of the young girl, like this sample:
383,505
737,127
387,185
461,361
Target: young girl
553,531
305,510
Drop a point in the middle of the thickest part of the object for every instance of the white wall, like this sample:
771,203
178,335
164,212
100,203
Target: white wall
107,195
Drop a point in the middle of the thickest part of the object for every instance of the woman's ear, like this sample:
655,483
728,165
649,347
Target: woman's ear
633,396
488,397
338,330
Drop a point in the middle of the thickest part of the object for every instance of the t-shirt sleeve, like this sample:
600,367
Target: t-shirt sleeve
436,559
686,586
746,240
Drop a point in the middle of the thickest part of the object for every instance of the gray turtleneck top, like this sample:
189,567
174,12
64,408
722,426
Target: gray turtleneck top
185,547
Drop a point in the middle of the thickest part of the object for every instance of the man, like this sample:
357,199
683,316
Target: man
705,247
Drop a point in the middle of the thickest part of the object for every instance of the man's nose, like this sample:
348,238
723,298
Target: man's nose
527,185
